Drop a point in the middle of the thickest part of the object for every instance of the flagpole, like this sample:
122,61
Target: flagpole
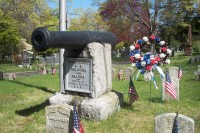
161,101
62,27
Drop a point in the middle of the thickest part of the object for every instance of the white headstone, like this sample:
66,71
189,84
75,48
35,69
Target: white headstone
113,74
44,71
128,71
10,76
175,83
59,119
164,123
173,72
198,68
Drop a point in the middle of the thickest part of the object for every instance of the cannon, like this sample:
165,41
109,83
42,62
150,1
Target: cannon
42,38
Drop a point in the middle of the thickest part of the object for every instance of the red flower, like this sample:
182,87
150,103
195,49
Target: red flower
132,58
152,61
137,46
164,49
148,67
152,37
157,59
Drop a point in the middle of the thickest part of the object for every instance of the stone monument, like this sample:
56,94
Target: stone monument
87,70
164,123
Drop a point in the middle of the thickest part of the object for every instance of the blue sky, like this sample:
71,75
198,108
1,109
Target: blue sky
77,4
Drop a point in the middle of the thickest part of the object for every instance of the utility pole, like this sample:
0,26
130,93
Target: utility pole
62,27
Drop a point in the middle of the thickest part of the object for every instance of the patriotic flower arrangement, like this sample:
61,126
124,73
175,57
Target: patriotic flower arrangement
149,60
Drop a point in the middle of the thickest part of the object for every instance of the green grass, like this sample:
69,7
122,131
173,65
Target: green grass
22,103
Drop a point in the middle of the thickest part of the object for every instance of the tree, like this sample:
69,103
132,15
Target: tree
88,20
21,17
131,19
175,28
9,36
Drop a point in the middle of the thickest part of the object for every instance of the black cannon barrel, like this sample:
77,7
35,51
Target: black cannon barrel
42,39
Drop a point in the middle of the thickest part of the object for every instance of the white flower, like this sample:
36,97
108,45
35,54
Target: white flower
162,43
151,56
143,63
145,39
137,56
167,61
162,55
169,51
132,48
132,64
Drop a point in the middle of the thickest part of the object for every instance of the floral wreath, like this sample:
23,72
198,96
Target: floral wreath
150,60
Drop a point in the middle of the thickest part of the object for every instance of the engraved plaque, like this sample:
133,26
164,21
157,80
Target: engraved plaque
79,75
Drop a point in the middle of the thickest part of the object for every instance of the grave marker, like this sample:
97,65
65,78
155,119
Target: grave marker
59,119
173,72
128,71
164,123
113,74
175,83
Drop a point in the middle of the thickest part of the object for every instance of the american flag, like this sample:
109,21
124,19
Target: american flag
175,128
180,72
77,126
168,86
132,93
119,74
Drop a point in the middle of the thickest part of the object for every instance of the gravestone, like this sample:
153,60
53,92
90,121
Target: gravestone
113,74
10,76
175,84
197,59
164,123
59,119
192,60
198,68
173,72
128,71
44,71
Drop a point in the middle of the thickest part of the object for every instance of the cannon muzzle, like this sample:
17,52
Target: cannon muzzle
42,39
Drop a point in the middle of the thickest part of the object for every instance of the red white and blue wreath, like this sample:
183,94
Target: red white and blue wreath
151,59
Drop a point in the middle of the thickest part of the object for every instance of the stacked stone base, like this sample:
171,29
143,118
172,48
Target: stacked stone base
92,108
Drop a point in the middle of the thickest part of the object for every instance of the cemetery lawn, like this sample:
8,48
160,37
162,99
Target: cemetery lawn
23,102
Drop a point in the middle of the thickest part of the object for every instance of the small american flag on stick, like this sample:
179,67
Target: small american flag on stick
132,93
168,86
77,125
180,72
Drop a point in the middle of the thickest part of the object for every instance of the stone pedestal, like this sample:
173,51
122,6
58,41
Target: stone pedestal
92,108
